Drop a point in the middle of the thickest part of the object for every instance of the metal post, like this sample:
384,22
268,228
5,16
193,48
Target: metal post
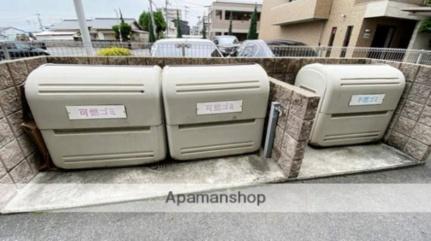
153,24
270,129
85,34
166,17
421,53
5,51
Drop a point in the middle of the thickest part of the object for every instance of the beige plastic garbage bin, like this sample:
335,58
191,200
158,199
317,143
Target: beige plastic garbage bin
357,101
214,110
98,116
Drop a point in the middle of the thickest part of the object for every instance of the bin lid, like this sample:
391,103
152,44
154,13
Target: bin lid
204,94
86,96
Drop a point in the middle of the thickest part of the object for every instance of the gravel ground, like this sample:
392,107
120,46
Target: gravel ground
232,226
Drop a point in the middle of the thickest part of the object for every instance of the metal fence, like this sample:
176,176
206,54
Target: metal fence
400,55
12,50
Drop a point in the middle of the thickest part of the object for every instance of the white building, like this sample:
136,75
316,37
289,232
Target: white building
12,34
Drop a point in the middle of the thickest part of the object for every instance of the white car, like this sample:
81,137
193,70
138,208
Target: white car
181,47
255,49
228,44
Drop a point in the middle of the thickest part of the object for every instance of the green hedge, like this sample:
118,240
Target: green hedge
114,51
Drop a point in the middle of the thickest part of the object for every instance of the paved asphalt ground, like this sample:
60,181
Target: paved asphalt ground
232,226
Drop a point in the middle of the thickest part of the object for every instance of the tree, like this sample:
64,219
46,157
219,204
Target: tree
159,20
123,29
252,31
204,28
230,24
178,23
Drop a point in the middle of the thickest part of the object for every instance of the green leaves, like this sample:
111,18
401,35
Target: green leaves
252,31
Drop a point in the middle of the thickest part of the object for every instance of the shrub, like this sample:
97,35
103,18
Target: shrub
114,51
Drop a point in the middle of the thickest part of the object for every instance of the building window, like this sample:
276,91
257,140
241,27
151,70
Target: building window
240,16
331,41
219,14
346,41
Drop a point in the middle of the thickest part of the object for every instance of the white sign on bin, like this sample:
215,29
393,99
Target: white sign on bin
89,112
208,108
357,100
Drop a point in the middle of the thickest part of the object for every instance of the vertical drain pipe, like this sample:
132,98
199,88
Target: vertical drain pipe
274,113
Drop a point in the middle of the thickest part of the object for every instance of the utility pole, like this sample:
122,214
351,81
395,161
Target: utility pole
85,34
166,17
186,11
152,18
40,22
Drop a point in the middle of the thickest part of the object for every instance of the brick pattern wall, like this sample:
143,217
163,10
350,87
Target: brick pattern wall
18,159
298,109
410,128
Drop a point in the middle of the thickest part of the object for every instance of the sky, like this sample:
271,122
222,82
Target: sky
22,13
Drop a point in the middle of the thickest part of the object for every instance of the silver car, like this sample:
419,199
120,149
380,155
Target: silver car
228,44
182,47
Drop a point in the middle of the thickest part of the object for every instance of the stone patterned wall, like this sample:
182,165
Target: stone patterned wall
18,159
298,109
410,128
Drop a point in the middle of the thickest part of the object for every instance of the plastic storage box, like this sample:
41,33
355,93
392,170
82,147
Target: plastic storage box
356,101
214,110
98,116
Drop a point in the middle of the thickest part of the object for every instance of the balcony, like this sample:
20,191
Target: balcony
301,11
391,8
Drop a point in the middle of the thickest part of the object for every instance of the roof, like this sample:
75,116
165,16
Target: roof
180,40
421,11
6,28
97,23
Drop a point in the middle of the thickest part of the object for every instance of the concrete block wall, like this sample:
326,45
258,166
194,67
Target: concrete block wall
298,110
18,157
410,128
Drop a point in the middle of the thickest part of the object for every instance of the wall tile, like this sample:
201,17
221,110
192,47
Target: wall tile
11,154
419,93
98,60
416,149
18,71
412,110
22,173
424,75
397,140
9,100
404,126
425,117
298,128
2,169
118,60
409,71
33,63
6,80
136,61
15,120
304,107
422,133
27,146
292,147
6,134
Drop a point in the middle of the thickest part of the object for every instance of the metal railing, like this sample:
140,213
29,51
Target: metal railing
400,55
12,50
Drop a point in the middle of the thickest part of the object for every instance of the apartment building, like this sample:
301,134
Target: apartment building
219,15
343,23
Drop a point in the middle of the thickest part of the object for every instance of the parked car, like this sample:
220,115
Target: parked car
20,50
255,48
228,44
287,48
185,48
